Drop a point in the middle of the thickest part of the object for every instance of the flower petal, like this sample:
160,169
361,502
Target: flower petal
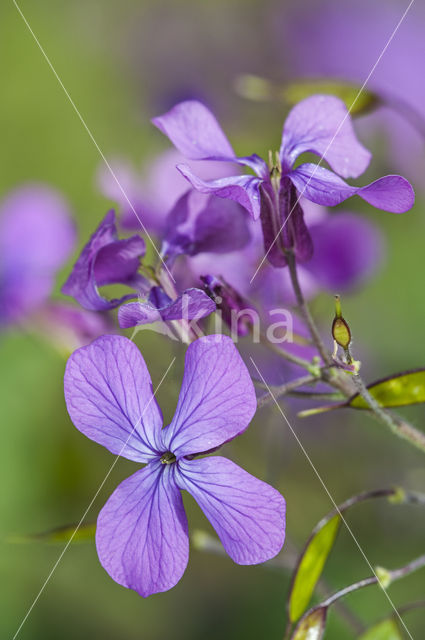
217,398
105,260
347,250
192,304
141,536
195,132
248,514
242,189
201,223
109,396
391,193
322,125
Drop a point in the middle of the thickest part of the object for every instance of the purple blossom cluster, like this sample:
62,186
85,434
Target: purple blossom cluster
228,228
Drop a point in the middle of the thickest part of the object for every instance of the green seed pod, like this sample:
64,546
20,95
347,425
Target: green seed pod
340,330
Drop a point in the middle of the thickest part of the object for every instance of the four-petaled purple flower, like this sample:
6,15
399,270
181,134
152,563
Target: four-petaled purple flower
319,125
142,532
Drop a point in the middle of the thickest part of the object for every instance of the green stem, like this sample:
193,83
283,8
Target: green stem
304,309
400,427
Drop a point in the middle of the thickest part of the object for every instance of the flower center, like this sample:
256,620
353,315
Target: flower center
168,458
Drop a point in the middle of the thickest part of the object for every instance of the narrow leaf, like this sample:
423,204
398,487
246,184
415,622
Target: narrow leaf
261,89
359,102
312,626
310,567
84,533
401,390
395,391
385,630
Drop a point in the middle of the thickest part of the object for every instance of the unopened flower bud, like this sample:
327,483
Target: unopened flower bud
236,312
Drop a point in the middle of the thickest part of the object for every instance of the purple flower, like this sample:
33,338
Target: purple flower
192,304
319,125
142,532
37,235
105,260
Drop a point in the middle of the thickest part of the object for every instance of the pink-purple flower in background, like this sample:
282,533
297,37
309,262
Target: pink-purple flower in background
37,235
142,531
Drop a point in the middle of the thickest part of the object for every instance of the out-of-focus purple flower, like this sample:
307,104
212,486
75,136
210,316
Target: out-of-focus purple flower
69,327
332,39
37,236
142,532
348,249
106,260
192,304
320,125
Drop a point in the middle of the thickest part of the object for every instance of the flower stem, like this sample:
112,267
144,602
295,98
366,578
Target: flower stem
304,309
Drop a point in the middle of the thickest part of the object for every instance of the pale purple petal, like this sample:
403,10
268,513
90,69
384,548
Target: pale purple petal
243,189
105,260
109,396
217,398
201,223
69,327
195,132
142,536
347,250
192,304
248,514
321,125
391,193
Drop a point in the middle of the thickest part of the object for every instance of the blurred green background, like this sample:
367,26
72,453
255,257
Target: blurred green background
113,58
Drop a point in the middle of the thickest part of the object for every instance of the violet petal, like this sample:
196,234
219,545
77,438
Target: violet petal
109,397
321,125
192,304
217,398
247,514
105,260
195,132
142,536
391,193
243,189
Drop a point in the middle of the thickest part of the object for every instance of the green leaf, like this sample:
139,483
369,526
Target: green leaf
395,391
310,567
401,390
261,89
84,533
312,626
359,102
385,630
